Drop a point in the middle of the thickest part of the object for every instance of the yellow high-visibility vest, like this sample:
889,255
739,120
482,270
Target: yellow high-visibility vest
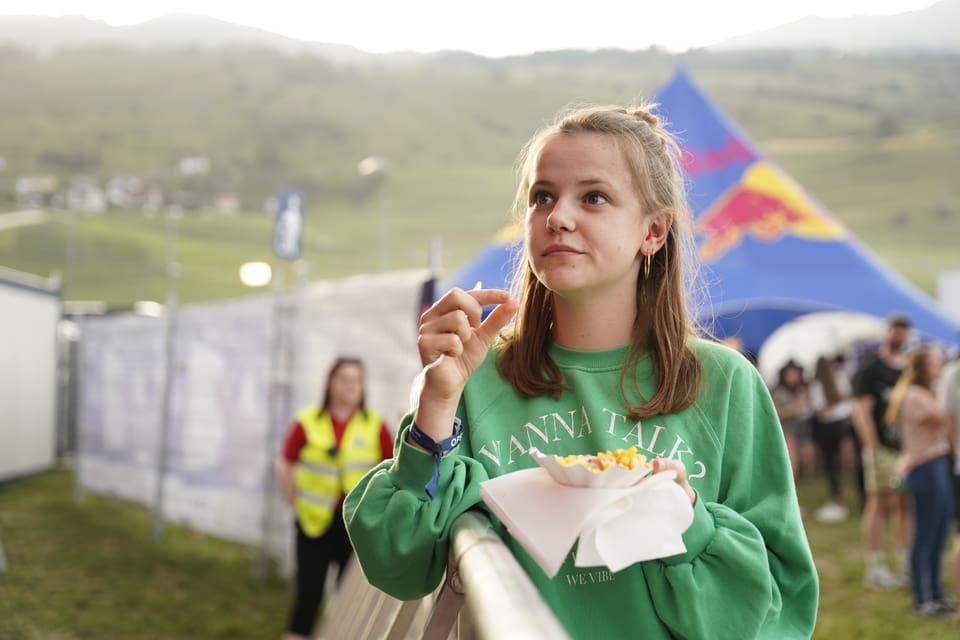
324,472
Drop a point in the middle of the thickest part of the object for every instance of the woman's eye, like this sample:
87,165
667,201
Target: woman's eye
539,198
596,198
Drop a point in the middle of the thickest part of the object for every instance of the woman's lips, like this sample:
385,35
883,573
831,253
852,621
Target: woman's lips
560,249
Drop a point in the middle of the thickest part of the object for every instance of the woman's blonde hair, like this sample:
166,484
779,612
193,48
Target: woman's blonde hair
914,373
662,324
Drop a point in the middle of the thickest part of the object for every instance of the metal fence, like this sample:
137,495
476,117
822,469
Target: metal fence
191,420
486,596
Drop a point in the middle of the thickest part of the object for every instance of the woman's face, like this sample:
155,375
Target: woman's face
792,377
584,224
346,385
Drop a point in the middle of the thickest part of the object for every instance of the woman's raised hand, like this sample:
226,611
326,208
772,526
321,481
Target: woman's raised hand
452,328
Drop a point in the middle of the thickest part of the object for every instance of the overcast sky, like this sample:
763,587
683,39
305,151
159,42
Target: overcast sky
487,27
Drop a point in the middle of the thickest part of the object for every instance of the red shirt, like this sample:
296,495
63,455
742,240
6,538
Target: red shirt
297,439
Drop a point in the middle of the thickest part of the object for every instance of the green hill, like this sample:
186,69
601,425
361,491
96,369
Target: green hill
874,138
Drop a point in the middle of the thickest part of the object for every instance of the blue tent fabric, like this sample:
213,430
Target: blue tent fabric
493,267
770,251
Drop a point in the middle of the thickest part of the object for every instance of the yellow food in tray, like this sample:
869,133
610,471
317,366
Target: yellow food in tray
627,458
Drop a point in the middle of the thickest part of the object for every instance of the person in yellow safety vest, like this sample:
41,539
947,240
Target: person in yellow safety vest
328,449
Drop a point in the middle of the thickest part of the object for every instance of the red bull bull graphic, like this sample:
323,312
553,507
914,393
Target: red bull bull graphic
734,151
767,205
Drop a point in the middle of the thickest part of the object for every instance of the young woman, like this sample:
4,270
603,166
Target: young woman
831,400
327,450
792,400
601,355
924,461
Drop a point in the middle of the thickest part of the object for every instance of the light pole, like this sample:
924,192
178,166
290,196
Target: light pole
174,271
254,275
378,168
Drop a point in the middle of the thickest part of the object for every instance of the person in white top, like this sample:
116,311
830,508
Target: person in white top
924,462
832,401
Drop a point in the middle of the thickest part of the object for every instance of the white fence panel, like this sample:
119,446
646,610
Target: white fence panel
226,429
29,313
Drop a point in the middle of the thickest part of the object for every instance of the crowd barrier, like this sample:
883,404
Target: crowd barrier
486,596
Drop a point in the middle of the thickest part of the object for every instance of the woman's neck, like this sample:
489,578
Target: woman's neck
341,413
592,327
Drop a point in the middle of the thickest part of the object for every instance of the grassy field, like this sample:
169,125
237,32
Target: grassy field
909,218
91,570
876,139
848,609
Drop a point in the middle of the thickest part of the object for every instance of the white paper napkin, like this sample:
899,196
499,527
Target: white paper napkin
616,527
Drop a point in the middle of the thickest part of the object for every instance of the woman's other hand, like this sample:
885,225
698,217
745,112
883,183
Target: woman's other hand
662,464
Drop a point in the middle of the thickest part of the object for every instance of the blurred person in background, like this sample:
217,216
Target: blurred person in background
924,462
831,399
328,449
872,385
949,396
792,401
735,343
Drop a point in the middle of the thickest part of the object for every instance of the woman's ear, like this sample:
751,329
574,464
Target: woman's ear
658,228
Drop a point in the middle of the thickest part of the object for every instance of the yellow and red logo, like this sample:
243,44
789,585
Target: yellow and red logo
766,204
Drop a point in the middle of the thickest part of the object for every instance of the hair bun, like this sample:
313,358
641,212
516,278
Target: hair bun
647,116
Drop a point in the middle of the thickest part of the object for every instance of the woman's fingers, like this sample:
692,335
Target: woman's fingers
497,320
456,321
471,302
459,314
433,345
661,464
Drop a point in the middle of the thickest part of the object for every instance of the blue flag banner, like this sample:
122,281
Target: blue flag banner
770,251
288,225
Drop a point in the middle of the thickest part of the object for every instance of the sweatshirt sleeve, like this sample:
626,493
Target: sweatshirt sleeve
747,551
401,537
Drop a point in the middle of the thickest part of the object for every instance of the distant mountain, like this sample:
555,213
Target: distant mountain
936,28
44,34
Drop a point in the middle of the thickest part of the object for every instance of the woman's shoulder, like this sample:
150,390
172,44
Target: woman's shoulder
714,355
723,369
919,395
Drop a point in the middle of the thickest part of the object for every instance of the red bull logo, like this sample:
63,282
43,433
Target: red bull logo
767,205
733,151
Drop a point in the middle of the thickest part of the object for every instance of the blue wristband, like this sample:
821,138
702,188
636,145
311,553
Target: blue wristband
437,449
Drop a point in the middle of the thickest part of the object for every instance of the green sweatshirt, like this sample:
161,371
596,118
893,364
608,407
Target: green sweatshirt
747,572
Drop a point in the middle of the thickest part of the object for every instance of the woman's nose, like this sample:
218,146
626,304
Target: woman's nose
561,217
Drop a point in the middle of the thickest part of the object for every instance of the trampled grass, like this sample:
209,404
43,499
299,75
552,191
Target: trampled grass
849,610
91,570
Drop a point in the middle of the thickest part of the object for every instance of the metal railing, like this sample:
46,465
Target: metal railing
486,596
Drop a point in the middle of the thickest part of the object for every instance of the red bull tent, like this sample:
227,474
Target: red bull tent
770,251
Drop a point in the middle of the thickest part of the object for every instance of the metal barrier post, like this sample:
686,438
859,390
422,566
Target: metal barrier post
502,601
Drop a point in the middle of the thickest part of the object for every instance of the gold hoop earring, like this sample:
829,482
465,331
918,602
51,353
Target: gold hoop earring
646,267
